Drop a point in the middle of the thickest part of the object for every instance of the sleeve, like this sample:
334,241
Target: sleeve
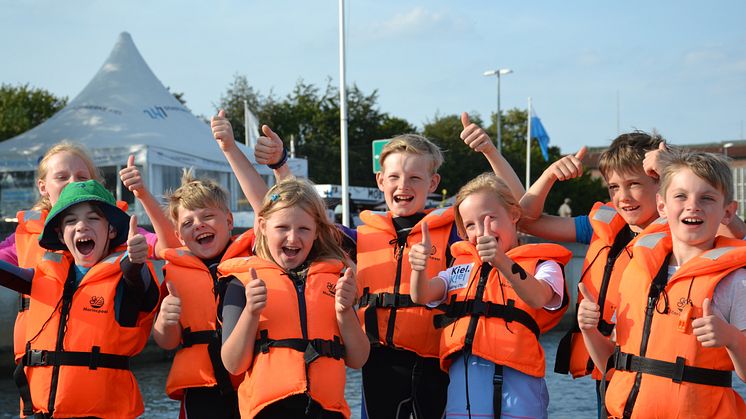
152,240
15,278
443,276
235,301
139,292
551,273
583,229
8,251
729,299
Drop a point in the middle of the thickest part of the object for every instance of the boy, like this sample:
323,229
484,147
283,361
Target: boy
680,322
91,310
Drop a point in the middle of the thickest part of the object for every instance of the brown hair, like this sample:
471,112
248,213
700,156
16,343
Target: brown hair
413,144
195,194
713,168
627,151
300,193
486,182
64,147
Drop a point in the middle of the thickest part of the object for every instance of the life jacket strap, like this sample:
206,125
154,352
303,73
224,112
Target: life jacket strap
312,348
676,371
214,341
24,302
508,312
93,360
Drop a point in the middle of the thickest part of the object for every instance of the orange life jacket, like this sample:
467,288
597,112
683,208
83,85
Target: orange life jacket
390,316
299,349
608,254
77,358
505,329
197,362
662,371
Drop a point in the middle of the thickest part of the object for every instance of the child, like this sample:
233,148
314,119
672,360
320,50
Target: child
91,310
681,319
499,297
288,317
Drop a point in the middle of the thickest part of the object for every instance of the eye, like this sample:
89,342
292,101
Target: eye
613,187
186,223
679,196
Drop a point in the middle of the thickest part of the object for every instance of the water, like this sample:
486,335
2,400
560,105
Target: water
568,398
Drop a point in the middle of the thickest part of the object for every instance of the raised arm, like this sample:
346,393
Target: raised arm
252,184
357,346
167,328
713,332
271,151
599,346
237,352
422,289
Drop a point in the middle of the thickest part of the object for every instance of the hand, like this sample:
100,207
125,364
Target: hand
170,313
131,178
345,291
419,253
474,136
222,131
256,294
487,243
568,167
711,331
650,164
137,246
269,147
589,313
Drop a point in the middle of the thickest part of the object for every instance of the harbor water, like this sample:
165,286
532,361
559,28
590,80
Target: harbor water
568,398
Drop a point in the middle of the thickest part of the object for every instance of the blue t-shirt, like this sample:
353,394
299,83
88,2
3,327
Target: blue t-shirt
583,229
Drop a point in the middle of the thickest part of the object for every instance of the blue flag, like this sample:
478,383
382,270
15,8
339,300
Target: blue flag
538,132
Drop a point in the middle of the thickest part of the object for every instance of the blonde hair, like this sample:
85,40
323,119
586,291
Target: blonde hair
63,147
627,151
413,144
300,193
195,194
712,168
490,183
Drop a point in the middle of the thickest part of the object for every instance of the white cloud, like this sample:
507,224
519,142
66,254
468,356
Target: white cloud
417,21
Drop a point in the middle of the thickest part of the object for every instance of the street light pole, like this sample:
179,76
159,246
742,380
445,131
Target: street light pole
499,72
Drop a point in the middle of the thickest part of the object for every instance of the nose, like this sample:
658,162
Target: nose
292,236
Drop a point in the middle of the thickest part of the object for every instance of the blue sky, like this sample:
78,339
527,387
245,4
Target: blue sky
677,66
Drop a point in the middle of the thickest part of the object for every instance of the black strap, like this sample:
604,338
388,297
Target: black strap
312,348
201,337
508,312
19,377
24,301
497,391
381,300
213,340
676,371
94,359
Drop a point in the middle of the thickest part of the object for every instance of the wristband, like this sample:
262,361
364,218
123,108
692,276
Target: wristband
282,161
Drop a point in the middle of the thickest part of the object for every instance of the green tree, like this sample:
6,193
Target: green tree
23,107
232,102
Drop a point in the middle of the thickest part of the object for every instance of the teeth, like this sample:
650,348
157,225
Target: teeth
692,220
203,235
83,240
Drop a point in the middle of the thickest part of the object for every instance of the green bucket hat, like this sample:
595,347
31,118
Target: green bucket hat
75,193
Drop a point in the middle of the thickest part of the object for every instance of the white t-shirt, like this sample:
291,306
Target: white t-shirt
457,277
729,298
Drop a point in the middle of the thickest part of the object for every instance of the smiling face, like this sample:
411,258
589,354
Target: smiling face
633,195
475,207
62,168
406,180
205,231
290,233
86,233
695,209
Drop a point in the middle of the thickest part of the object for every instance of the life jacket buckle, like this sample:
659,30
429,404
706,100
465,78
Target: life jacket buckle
310,354
36,358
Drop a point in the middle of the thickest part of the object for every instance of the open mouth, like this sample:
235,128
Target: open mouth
290,251
85,246
692,221
205,238
403,198
628,209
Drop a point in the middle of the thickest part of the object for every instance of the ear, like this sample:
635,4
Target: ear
261,223
42,186
178,236
112,232
730,211
379,180
434,181
230,222
515,216
661,204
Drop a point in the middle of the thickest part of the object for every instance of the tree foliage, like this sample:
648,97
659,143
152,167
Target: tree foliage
23,107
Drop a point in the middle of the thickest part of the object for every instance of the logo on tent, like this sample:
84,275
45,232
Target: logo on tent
156,112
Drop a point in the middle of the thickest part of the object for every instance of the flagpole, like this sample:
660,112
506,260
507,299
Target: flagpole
528,147
343,118
246,122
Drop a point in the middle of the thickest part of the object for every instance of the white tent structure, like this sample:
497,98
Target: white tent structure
124,110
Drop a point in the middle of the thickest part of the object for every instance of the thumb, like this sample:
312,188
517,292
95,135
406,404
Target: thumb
706,307
171,287
581,153
347,275
131,160
465,119
425,234
585,293
267,131
487,226
252,271
221,113
133,227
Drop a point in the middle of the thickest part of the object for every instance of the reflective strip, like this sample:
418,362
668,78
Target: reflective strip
605,214
32,215
158,268
182,252
650,240
112,258
379,213
661,220
714,254
52,257
439,211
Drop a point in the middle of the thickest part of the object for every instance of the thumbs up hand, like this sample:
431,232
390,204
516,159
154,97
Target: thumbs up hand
137,246
256,294
269,147
651,163
131,178
419,253
222,130
170,312
589,313
487,244
712,331
475,137
345,291
568,167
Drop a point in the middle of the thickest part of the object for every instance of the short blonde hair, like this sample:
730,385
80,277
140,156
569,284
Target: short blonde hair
300,193
64,147
413,144
196,194
490,183
713,168
627,151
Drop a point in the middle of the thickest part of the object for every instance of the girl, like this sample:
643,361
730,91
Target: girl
498,298
288,317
